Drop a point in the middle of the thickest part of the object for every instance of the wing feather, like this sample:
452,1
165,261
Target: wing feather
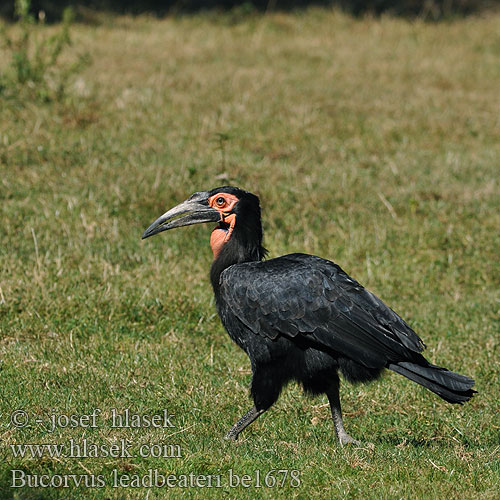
304,295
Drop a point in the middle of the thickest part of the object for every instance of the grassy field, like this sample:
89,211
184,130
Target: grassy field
372,142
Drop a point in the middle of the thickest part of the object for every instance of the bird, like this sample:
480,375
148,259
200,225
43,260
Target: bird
300,317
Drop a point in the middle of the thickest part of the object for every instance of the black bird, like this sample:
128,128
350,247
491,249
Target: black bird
300,317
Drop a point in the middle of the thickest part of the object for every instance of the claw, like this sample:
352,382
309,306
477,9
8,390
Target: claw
231,437
349,440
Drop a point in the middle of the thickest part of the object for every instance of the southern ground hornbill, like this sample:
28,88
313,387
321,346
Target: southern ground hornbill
300,317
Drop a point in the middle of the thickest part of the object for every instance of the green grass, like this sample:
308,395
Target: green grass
372,142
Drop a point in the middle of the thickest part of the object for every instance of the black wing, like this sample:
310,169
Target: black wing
305,295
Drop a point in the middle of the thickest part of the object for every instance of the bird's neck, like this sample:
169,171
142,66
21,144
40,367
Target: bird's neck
242,246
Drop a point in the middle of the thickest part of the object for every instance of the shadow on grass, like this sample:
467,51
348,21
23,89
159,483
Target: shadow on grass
8,492
396,441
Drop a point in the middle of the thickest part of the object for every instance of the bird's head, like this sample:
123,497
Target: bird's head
236,211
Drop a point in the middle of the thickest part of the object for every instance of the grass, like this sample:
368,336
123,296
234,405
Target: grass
372,142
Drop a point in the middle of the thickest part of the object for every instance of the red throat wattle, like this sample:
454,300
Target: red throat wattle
220,236
224,203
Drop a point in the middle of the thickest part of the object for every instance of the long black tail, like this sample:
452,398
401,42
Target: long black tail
451,386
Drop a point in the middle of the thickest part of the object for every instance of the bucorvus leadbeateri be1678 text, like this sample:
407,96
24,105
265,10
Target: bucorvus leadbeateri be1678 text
300,317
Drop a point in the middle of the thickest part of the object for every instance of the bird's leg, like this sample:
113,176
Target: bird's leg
334,399
243,422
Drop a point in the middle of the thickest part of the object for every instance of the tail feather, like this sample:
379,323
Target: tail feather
450,386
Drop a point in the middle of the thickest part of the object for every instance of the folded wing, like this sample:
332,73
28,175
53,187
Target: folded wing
301,295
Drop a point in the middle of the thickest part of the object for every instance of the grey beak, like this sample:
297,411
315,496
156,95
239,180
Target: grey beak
184,214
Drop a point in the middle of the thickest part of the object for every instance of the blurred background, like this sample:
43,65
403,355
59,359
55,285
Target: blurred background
432,9
370,131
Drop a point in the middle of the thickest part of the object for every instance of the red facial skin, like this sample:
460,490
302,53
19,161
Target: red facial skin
223,203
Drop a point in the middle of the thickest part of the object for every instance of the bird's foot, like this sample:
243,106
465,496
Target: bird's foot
231,436
345,439
348,440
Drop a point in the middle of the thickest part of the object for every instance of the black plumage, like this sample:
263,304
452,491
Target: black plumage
301,317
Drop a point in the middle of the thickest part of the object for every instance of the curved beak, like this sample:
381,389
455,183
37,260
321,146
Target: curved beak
194,210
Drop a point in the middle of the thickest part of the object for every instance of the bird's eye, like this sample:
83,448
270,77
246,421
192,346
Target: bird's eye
220,201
